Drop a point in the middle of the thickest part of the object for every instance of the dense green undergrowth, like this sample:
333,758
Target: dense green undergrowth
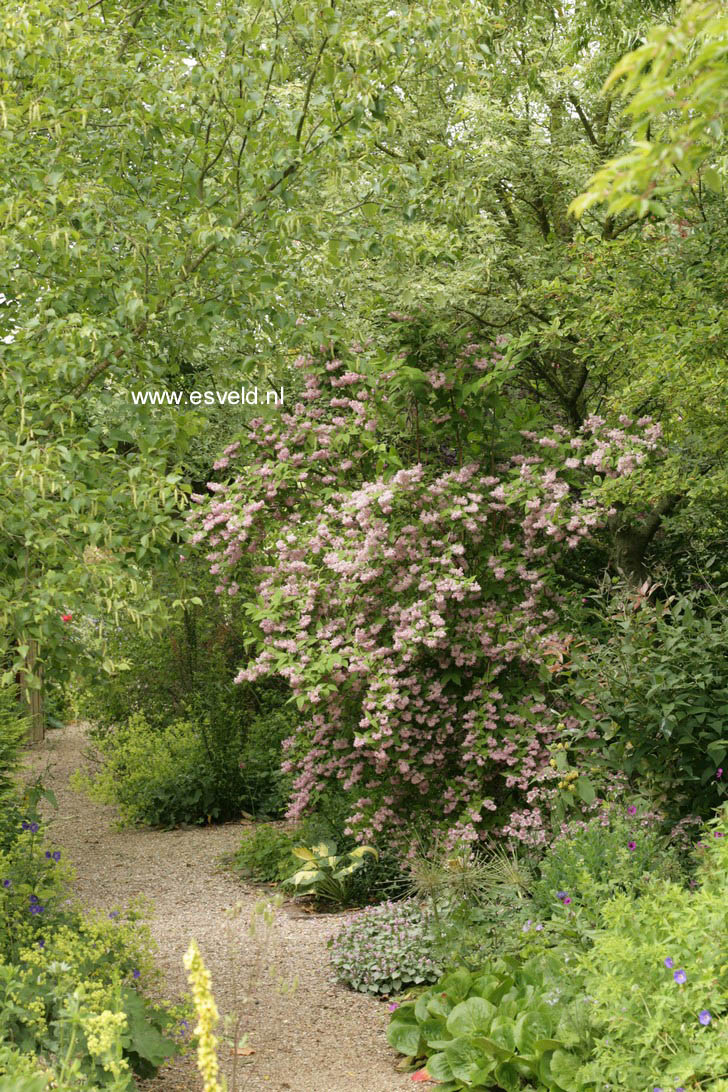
75,1012
621,982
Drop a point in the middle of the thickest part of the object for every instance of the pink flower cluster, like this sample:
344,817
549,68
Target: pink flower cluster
409,609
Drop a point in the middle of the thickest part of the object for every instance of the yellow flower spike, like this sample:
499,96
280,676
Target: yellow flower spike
198,977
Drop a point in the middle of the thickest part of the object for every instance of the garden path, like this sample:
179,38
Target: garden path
316,1037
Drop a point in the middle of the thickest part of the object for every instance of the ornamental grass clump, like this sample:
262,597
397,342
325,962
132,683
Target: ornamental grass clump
387,948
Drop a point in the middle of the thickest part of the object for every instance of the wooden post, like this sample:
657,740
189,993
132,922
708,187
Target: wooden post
31,697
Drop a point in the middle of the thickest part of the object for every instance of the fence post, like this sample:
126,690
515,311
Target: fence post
32,697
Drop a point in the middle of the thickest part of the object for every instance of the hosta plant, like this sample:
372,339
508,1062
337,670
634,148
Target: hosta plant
324,873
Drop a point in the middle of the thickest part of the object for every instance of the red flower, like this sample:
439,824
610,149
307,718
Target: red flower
66,617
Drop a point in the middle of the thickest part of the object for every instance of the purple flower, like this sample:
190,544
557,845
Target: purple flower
114,914
718,834
632,809
135,973
34,899
57,855
41,943
35,909
48,855
680,977
567,900
393,1006
631,846
560,894
719,773
669,963
704,1017
7,883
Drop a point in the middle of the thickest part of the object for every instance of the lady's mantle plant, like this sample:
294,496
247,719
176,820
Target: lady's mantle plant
410,609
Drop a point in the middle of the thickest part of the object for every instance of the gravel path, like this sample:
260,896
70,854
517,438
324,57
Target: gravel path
308,1033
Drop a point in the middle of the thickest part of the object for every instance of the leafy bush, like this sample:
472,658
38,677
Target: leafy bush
491,1030
658,687
657,981
263,785
618,850
162,776
386,948
264,855
184,673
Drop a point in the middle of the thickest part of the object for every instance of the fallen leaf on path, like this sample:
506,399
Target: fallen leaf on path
244,1052
423,1075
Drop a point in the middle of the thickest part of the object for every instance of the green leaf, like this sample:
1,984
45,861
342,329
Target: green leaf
471,1017
585,789
142,1038
403,1032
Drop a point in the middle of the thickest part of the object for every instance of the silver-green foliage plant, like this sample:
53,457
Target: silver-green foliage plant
386,948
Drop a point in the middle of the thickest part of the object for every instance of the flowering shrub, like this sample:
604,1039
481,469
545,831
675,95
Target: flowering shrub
413,612
386,948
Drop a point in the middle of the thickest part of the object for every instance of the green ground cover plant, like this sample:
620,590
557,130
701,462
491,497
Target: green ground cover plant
634,999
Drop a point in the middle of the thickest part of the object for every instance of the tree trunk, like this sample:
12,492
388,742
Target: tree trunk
631,540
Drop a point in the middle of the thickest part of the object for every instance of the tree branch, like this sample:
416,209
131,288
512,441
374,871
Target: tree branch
584,121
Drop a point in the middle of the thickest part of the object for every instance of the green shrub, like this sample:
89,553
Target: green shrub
264,855
162,776
264,787
657,684
618,850
649,1028
186,673
386,948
